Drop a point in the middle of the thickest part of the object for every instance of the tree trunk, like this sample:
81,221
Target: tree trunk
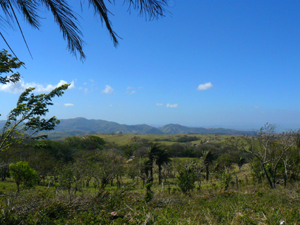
274,178
207,172
159,174
151,173
267,175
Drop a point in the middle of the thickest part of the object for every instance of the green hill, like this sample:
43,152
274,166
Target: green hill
83,126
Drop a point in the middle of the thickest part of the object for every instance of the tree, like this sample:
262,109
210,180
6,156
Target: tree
89,142
152,155
207,160
25,120
269,149
26,117
187,178
162,158
23,174
68,22
7,64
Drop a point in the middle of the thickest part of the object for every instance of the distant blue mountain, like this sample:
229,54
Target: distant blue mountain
82,126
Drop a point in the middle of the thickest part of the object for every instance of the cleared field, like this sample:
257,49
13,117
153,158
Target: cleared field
123,139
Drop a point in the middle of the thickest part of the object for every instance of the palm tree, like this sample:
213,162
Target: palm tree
207,160
68,22
152,155
162,158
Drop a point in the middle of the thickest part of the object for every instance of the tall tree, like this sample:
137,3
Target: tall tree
68,22
26,117
270,148
152,155
207,160
163,157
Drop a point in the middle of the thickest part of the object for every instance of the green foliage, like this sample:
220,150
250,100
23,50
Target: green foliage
26,117
186,138
7,64
226,179
66,179
149,193
88,142
187,178
23,174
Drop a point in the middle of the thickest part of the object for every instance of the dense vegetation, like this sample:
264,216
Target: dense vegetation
88,179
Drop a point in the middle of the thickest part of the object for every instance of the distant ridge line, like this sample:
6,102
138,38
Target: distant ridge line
83,126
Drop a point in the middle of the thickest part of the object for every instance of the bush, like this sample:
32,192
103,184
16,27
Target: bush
186,179
23,174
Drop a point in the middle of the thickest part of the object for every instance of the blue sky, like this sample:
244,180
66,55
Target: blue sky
232,64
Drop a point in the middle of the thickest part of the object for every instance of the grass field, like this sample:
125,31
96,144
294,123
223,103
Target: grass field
123,139
250,203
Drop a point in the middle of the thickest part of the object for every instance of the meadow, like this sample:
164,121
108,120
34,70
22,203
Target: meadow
108,186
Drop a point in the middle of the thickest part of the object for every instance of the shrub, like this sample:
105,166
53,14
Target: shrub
23,174
186,179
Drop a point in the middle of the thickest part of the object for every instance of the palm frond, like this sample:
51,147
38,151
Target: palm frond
67,22
15,16
101,9
151,9
4,4
29,9
9,46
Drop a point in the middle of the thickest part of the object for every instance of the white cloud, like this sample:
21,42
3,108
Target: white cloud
68,104
159,104
128,88
84,83
172,105
203,87
80,88
20,86
91,80
110,105
108,90
132,92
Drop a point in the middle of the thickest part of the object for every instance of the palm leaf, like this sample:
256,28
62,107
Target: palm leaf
101,9
151,9
67,22
29,9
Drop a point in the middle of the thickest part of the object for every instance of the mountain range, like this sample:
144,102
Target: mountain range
83,126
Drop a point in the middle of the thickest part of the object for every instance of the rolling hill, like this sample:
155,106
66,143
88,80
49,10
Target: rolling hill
83,126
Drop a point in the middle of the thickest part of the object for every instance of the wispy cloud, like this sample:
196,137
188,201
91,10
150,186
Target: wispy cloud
20,86
68,104
108,90
159,104
203,87
130,92
172,105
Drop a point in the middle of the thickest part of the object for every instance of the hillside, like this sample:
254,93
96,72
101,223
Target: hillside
83,126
